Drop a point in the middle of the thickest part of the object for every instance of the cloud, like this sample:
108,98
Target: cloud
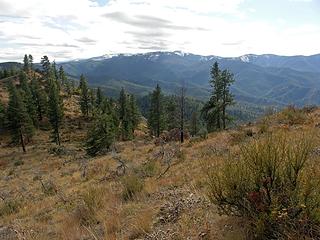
87,28
233,43
64,45
147,22
86,40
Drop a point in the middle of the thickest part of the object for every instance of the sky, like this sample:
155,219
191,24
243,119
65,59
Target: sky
77,29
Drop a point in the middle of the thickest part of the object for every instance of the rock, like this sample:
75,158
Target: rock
8,233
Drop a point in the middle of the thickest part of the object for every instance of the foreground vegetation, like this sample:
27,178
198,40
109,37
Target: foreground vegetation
92,170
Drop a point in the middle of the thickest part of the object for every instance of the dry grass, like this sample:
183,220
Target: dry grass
93,207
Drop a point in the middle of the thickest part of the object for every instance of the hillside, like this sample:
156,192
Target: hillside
140,190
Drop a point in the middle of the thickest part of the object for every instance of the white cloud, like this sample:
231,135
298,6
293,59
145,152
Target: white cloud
81,28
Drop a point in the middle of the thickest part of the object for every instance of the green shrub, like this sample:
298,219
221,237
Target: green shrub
132,185
8,207
273,185
18,163
149,169
203,133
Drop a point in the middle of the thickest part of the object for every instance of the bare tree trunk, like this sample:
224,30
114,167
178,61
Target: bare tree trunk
224,117
22,142
182,112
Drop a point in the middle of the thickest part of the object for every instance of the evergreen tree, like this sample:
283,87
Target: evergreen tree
126,124
101,135
84,96
46,65
214,111
99,97
62,76
19,120
134,113
194,124
172,113
156,119
39,98
68,88
92,103
122,104
26,63
109,107
227,97
55,109
12,72
28,98
5,73
30,61
55,71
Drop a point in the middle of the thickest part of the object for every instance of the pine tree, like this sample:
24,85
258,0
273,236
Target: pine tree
126,124
5,73
46,65
68,88
62,76
109,107
40,98
26,66
30,61
55,71
92,102
172,113
99,97
101,135
156,119
194,124
84,96
214,111
19,120
134,113
227,97
55,108
28,98
217,92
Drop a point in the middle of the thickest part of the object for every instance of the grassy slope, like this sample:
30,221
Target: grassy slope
173,206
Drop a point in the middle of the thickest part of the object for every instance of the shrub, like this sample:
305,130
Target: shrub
309,108
132,186
263,126
101,135
292,115
149,169
203,133
273,184
18,163
9,207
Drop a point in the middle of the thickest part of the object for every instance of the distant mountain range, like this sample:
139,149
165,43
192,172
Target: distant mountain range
260,79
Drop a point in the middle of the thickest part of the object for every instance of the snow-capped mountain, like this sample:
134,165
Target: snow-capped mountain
263,79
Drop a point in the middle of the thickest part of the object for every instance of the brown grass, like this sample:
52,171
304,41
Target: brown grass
93,206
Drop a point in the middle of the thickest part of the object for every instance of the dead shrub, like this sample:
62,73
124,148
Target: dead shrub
292,116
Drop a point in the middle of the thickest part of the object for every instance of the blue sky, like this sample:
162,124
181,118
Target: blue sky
71,29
